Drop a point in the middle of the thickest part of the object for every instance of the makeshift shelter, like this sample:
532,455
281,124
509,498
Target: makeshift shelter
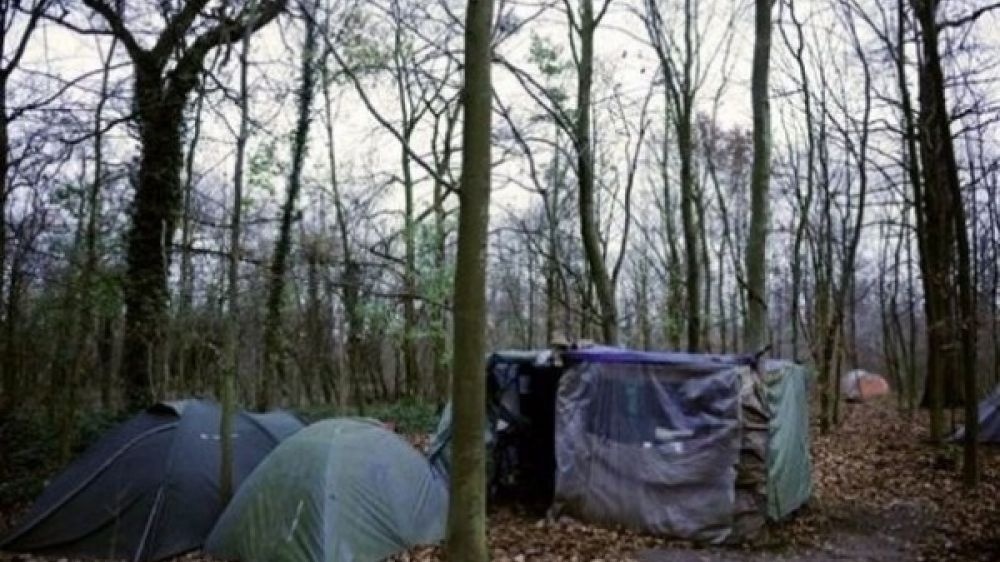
789,461
149,488
521,414
861,386
343,490
686,445
989,419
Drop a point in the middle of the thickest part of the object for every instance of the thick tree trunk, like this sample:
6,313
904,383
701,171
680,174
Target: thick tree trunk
154,212
160,97
755,326
467,506
947,232
938,165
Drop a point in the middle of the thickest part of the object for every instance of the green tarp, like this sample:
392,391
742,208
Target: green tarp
789,465
344,490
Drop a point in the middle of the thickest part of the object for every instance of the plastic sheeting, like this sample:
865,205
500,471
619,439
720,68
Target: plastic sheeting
149,488
750,512
521,391
789,463
345,490
651,442
989,420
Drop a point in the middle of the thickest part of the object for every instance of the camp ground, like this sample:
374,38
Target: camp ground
631,449
715,451
499,280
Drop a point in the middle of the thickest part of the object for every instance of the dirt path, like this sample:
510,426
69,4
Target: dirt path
881,494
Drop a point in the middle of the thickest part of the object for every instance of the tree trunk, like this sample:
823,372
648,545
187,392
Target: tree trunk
274,339
938,165
672,317
183,336
231,371
160,96
947,232
692,284
804,200
148,253
599,275
467,507
755,327
9,381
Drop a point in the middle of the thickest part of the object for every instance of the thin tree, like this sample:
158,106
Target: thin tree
11,13
467,505
274,341
600,276
755,326
231,372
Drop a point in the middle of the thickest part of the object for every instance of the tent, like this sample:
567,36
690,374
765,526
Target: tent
860,386
341,490
693,446
149,488
989,419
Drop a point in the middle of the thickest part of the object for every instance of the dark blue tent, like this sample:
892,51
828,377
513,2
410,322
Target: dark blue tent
148,489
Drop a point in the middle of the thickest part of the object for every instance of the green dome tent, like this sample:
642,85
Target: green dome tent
149,488
344,490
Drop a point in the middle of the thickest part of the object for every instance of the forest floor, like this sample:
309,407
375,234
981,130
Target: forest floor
881,493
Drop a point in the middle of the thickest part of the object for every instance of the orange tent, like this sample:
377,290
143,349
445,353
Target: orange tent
860,386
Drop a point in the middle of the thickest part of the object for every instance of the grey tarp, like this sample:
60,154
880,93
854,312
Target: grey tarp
520,405
148,489
651,441
989,419
789,464
343,490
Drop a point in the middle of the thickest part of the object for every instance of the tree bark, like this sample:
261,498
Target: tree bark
755,326
599,275
274,339
160,96
467,506
231,372
947,232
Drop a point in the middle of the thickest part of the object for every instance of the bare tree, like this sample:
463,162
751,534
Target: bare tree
12,13
231,371
274,340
